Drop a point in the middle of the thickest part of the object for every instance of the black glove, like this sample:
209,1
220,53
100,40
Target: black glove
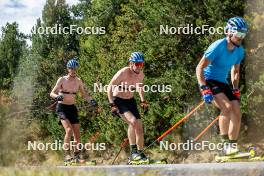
93,102
114,110
59,98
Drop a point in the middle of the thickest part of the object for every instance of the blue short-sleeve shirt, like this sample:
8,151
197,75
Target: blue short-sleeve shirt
221,60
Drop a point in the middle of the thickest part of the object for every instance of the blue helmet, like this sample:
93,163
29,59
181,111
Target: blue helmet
236,23
136,57
72,63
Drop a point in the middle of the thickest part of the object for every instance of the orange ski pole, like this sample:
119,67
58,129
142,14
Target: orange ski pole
123,144
179,122
174,126
206,129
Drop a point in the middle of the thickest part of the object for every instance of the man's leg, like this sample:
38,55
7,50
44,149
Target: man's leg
131,134
77,151
67,138
135,130
139,134
230,123
76,133
235,121
225,106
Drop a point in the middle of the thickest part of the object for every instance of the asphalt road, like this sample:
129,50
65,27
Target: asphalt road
198,169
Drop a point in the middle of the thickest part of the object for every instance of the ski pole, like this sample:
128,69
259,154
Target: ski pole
206,129
51,107
173,127
94,137
123,144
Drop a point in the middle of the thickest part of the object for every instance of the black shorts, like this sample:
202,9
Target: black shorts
219,87
125,105
67,112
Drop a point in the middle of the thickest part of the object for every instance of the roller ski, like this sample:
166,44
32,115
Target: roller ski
141,159
137,159
77,161
239,156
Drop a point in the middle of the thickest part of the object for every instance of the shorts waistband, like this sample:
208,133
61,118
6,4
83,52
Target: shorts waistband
124,98
66,105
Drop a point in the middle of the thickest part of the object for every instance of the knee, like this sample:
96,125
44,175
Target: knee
134,123
227,109
237,115
236,110
137,126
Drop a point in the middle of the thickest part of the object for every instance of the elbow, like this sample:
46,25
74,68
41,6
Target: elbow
198,69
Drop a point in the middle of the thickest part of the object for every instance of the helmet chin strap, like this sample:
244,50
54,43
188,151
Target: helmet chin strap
134,71
72,76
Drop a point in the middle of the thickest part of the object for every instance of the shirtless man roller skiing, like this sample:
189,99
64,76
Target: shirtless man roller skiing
121,98
65,92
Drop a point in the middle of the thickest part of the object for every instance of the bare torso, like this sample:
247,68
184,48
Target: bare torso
127,78
70,86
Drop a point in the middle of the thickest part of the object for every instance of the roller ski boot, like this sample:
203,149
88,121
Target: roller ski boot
138,159
78,161
67,160
229,149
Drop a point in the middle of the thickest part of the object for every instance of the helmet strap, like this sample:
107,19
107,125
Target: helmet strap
131,68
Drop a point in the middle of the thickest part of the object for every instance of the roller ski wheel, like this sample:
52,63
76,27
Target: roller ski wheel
147,161
257,158
79,163
91,163
162,161
67,160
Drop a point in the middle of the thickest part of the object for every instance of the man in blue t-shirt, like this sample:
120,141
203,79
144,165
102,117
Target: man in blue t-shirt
219,59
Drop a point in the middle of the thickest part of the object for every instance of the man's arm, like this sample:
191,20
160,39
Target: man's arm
199,70
84,92
54,92
141,91
115,81
235,76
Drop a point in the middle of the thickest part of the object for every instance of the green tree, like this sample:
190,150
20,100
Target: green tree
12,44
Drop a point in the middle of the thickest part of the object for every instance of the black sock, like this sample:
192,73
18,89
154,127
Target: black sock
224,138
232,141
133,148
